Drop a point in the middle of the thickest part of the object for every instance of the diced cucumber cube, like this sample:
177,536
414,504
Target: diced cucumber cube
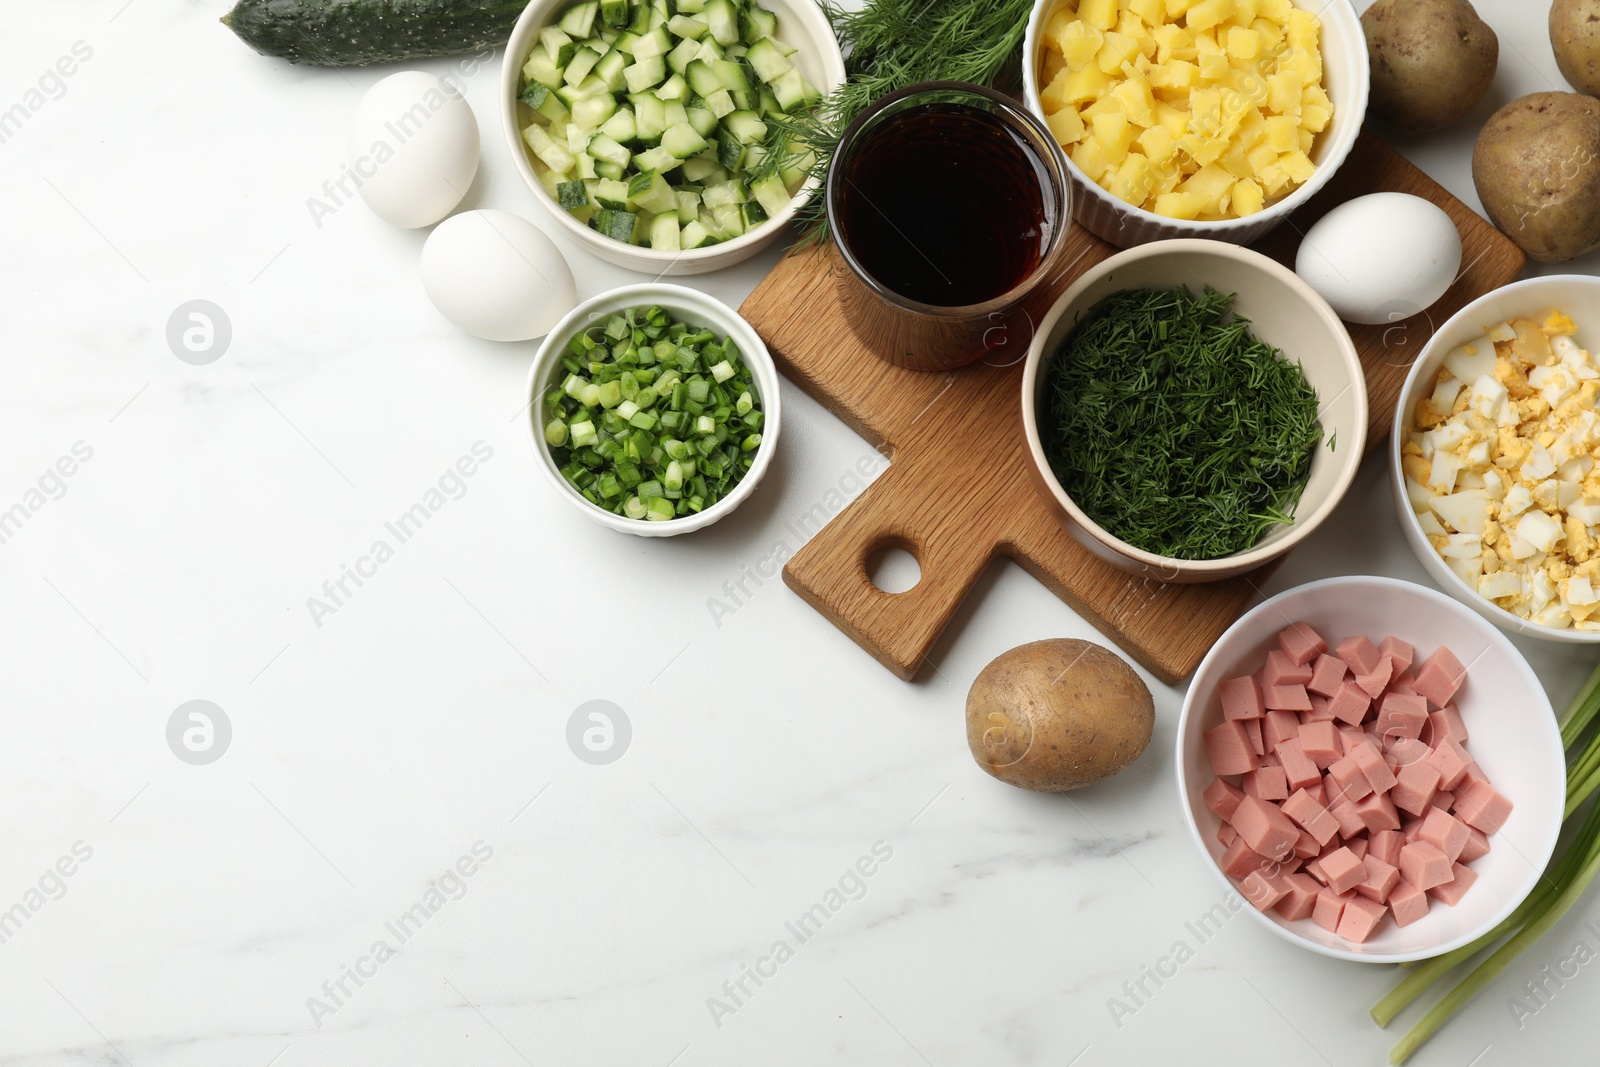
652,193
753,155
625,42
746,99
664,233
766,101
720,104
609,36
694,235
582,63
655,43
573,194
557,45
768,63
592,111
752,213
577,138
605,149
683,54
602,169
772,194
542,69
730,153
674,88
757,22
730,222
676,113
645,74
730,74
610,68
688,205
691,26
617,225
746,126
650,117
683,141
690,7
723,194
723,21
621,126
709,50
611,194
792,91
703,120
702,79
533,94
614,13
549,152
585,164
704,167
656,159
578,22
549,180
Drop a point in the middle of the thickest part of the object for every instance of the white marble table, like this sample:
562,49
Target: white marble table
613,914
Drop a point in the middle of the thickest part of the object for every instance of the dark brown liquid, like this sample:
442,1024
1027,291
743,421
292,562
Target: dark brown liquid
944,204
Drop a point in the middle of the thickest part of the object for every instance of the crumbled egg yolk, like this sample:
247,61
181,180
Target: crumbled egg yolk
1500,469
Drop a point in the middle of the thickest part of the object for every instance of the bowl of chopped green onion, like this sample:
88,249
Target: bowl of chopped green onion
654,409
1193,409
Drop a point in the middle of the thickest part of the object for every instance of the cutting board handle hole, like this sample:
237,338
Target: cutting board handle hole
893,569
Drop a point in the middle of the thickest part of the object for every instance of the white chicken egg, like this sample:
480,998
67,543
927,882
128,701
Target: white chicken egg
1381,258
413,148
497,276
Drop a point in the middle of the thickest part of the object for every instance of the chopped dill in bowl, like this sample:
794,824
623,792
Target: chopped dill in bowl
1174,428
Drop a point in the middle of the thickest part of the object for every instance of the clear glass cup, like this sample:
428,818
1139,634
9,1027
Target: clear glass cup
930,336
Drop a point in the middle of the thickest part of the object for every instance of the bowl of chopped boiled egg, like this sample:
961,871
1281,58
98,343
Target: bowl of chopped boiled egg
1494,455
1196,118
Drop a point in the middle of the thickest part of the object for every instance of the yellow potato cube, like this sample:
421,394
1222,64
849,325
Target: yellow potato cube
1052,65
1106,105
1252,128
1244,12
1132,180
1273,178
1066,125
1053,97
1178,7
1205,111
1167,177
1079,44
1208,13
1089,158
1243,43
1056,26
1281,134
1177,74
1132,26
1214,67
1101,14
1180,205
1237,161
1314,118
1247,198
1212,182
1151,12
1084,85
1158,145
1115,134
1261,156
1173,42
1297,165
1137,102
1271,34
1205,43
1203,148
1117,50
1303,30
1307,140
1307,64
1316,94
1283,92
1174,121
1277,11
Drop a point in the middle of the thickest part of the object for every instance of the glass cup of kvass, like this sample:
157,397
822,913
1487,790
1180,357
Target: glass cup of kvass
949,206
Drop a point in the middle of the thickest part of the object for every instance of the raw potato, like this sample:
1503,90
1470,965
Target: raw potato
1535,166
1056,715
1432,60
1575,38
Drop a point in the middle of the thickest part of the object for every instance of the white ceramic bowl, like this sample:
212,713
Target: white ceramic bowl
1285,312
801,23
697,309
1514,738
1578,295
1346,77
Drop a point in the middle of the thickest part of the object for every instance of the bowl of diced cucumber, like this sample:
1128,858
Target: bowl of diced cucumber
655,131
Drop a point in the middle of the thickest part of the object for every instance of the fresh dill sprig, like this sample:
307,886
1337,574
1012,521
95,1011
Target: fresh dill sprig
1176,429
888,45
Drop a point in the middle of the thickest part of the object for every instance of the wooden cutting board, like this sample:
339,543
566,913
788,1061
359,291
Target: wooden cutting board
957,493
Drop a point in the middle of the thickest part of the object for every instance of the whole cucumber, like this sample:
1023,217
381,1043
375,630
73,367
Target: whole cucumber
336,33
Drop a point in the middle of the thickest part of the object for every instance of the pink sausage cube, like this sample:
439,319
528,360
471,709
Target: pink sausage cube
1400,715
1408,903
1401,751
1377,812
1229,749
1414,787
1358,845
1375,681
1300,897
1301,771
1307,847
1321,710
1380,879
1346,774
1350,703
1301,643
1327,675
1452,891
1360,654
1326,912
1445,833
1314,868
1344,870
1385,844
1404,685
1399,653
1476,847
1226,835
1252,731
1320,742
1265,828
1281,670
1351,736
1440,676
1261,891
1278,725
1349,819
1360,918
1423,865
1370,760
1287,697
1478,805
1448,725
1222,798
1241,699
1266,783
1239,859
1331,793
1311,815
1451,761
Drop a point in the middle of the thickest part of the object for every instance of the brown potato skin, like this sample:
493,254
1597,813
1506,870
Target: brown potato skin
1432,61
1537,169
1057,715
1575,39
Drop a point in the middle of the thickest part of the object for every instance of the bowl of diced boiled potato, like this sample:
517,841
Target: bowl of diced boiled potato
1493,457
1196,118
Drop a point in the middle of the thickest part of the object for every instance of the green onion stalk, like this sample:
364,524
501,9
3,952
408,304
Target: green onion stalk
1563,884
